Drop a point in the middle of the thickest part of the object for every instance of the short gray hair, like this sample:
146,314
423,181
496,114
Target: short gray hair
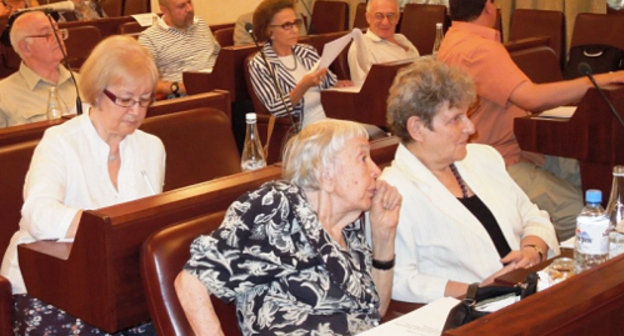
421,89
315,148
116,57
369,5
20,29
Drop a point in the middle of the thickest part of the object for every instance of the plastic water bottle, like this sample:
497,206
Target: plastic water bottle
592,232
54,110
438,39
253,156
615,211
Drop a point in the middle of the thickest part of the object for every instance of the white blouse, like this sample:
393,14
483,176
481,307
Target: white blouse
69,172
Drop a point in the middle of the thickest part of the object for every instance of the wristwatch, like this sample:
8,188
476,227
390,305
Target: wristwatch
383,265
174,88
537,249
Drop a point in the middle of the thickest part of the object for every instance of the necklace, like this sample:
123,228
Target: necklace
112,157
460,181
294,66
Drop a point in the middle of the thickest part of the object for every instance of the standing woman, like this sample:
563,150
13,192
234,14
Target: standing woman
276,23
94,160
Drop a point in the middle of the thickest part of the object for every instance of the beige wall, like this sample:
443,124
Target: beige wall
217,11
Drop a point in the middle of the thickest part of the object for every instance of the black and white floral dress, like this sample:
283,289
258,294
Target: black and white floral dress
285,273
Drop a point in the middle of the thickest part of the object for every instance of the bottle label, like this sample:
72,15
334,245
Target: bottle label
592,235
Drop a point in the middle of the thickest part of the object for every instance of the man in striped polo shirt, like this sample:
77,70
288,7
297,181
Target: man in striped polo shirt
179,42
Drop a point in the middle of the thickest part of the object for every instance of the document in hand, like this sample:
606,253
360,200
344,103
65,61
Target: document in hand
425,321
332,49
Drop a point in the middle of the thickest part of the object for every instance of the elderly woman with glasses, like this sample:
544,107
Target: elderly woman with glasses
467,220
299,93
94,160
293,254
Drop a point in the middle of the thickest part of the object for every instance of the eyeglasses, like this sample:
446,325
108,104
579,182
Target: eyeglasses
392,17
63,34
128,102
288,25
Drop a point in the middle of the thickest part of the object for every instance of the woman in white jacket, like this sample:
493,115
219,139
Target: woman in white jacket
463,218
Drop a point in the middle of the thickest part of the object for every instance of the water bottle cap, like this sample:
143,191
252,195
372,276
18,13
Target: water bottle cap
618,170
593,196
439,25
250,117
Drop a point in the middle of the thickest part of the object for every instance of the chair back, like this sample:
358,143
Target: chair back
590,28
199,143
131,28
540,64
15,161
329,16
360,16
225,36
418,24
534,22
81,40
163,255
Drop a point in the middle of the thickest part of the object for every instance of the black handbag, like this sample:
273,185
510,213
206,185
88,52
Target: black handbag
465,311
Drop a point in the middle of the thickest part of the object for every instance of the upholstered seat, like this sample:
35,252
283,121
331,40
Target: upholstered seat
162,257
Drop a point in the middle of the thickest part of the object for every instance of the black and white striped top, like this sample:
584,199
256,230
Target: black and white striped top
263,84
175,50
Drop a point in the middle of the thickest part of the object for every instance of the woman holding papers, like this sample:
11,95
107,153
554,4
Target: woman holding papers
299,93
292,254
465,219
97,159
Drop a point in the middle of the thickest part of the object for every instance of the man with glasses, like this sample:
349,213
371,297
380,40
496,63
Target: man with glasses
380,44
179,42
24,94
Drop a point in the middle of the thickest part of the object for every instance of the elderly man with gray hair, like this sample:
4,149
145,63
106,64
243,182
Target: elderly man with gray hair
24,94
380,44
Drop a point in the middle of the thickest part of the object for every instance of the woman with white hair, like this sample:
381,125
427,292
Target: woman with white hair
293,254
94,160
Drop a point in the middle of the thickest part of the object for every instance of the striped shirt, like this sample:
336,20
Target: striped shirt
262,82
176,51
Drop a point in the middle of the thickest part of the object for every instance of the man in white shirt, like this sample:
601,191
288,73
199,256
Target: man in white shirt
24,94
179,42
380,44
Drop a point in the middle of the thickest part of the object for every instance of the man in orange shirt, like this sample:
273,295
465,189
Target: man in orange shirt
505,93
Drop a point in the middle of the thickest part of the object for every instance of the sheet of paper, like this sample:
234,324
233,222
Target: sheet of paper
425,321
332,49
65,240
145,19
561,112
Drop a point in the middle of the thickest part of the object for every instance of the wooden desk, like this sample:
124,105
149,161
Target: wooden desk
590,303
369,104
97,277
227,74
592,136
217,99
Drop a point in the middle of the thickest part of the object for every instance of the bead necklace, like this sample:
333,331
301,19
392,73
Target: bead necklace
460,181
294,67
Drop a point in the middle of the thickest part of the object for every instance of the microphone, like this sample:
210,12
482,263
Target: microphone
62,6
586,70
65,62
249,29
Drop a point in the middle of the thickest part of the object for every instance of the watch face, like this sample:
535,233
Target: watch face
174,87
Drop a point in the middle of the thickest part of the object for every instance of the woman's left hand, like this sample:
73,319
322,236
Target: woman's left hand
384,213
524,258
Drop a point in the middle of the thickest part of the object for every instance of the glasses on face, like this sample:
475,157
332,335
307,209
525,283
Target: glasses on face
392,17
63,34
128,102
288,25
